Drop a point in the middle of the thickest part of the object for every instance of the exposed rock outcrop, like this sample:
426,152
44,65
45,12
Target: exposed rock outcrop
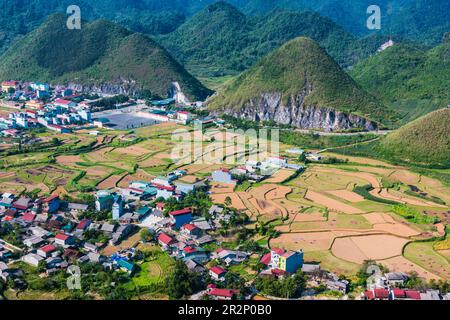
298,114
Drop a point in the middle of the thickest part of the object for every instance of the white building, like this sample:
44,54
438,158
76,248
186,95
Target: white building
32,259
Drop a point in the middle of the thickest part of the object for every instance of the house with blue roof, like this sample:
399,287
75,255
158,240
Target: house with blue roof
126,266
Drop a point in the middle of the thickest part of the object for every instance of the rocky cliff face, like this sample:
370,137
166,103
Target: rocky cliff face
298,114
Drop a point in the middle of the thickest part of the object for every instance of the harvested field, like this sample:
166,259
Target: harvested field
163,156
309,217
423,254
290,206
401,264
335,222
278,192
97,171
346,249
327,180
189,179
267,208
361,160
133,150
140,175
398,229
385,223
280,176
376,170
217,188
68,160
331,203
109,183
236,202
379,217
330,262
99,155
347,195
413,201
151,162
307,241
6,175
406,177
368,247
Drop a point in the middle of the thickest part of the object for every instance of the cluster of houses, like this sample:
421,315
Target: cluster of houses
131,204
254,171
391,286
52,237
39,105
62,110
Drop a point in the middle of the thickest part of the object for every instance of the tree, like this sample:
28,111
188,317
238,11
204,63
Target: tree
41,266
302,157
288,287
146,235
181,282
228,201
55,141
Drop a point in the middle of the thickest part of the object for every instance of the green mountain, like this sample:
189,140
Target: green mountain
412,81
20,17
423,21
100,54
424,141
302,86
220,40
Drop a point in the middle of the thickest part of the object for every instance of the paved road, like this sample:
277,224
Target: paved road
322,133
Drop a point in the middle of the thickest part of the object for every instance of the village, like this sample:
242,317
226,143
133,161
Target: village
63,110
52,233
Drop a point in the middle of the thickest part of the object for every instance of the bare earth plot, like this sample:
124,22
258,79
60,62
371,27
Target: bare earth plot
423,254
347,195
280,176
109,183
331,203
236,202
401,264
368,247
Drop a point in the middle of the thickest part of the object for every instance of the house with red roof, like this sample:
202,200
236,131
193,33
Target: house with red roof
189,251
46,250
64,103
377,294
28,217
191,230
84,224
64,240
166,241
217,273
160,206
6,85
180,217
221,294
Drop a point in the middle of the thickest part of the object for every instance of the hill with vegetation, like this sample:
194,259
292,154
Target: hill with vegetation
424,141
100,54
296,84
220,40
423,21
420,20
412,81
